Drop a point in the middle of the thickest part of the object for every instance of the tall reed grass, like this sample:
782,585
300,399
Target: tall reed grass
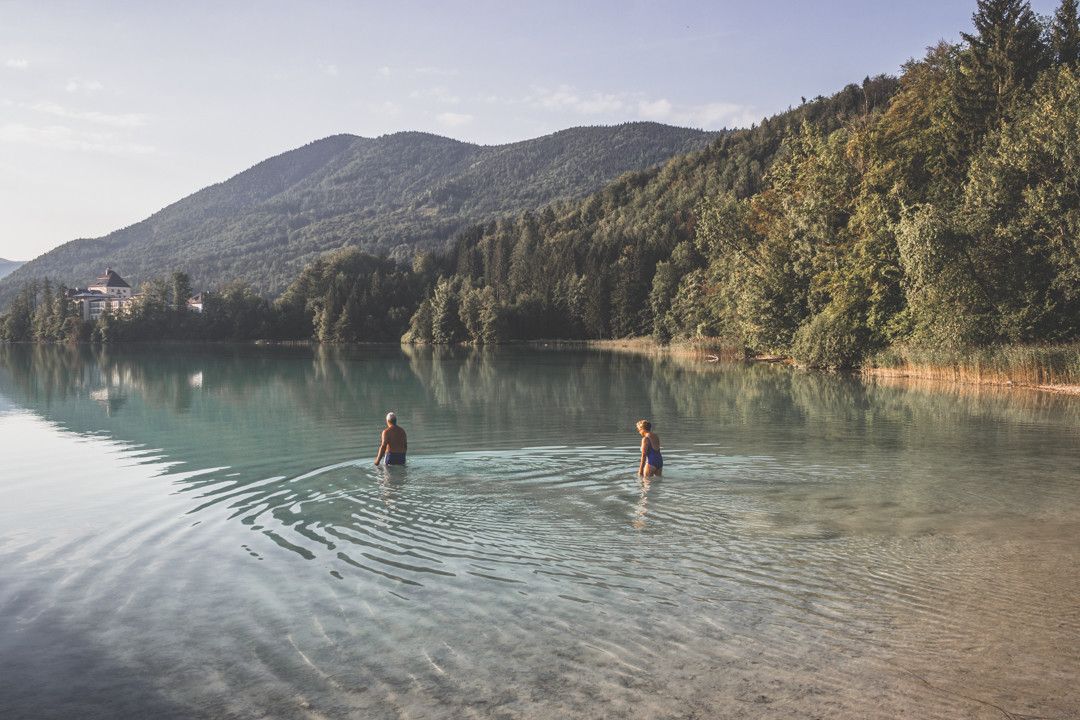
1003,364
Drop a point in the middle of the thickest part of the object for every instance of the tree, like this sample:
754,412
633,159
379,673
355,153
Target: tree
19,321
1001,60
43,314
446,326
181,290
1065,33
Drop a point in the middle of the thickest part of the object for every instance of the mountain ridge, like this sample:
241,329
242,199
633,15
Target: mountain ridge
389,194
9,266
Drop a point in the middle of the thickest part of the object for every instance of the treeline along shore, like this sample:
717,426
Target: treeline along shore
924,223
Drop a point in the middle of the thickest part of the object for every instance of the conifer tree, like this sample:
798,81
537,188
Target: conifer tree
1002,59
1065,33
43,320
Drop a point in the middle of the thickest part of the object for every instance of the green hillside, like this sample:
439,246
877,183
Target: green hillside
386,195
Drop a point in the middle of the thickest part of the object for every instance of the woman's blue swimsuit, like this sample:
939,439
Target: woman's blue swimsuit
653,456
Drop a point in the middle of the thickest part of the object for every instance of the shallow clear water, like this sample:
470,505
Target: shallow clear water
200,532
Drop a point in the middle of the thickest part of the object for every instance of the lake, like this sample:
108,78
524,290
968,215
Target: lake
192,531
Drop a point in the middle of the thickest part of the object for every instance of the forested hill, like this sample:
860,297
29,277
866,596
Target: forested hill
8,266
385,195
585,269
931,216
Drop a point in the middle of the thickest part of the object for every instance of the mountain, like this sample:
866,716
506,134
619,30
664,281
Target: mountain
9,266
389,194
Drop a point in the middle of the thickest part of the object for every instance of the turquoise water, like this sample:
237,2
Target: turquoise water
200,532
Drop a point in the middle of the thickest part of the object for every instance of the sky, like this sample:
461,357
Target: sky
110,111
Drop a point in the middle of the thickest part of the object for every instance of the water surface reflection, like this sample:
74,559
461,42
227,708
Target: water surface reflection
817,545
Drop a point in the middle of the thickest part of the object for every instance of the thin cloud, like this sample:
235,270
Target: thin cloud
437,94
387,109
566,97
655,109
86,87
17,63
61,137
714,115
330,69
453,120
123,120
384,71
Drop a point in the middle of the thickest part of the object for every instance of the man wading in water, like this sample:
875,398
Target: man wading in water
393,443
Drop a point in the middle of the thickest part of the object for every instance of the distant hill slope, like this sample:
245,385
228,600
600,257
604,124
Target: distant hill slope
9,266
386,195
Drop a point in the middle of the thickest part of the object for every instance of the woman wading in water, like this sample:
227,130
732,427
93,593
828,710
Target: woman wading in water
652,462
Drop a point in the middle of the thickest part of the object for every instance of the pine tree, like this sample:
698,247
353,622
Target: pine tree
1065,33
445,323
62,310
181,290
19,322
1002,59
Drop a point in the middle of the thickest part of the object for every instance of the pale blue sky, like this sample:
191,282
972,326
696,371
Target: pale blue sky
110,110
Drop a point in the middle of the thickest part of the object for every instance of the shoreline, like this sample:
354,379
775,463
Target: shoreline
715,348
937,376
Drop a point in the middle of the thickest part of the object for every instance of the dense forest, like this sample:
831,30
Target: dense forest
938,210
389,195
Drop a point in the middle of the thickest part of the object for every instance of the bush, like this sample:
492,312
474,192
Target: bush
830,340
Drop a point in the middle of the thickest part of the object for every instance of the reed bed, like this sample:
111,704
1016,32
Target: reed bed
1036,365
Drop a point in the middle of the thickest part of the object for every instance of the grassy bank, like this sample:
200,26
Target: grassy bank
1050,367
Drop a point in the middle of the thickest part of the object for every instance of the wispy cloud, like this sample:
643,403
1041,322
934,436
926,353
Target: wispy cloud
654,109
566,97
17,63
60,137
387,109
122,120
453,120
713,115
438,94
383,71
86,87
330,69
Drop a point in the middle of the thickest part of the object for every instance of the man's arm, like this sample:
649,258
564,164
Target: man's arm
382,447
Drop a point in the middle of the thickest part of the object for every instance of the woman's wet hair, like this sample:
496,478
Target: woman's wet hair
644,425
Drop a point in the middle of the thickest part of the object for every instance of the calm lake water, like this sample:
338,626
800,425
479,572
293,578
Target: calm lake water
199,532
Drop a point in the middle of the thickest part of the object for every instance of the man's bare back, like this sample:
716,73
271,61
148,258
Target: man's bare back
393,444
